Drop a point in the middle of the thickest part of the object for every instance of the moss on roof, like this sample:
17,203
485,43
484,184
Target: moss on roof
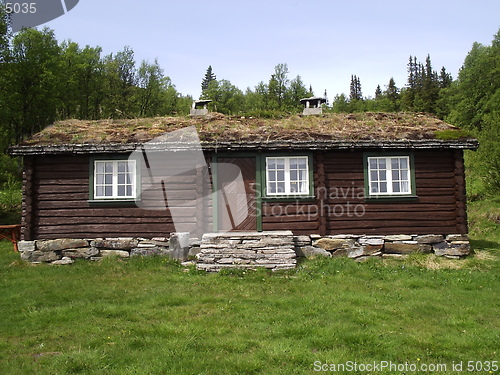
216,127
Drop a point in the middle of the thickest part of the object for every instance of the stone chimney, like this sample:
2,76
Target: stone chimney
199,108
312,105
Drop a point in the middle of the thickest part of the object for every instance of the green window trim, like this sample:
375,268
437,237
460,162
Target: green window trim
286,197
261,181
113,201
388,197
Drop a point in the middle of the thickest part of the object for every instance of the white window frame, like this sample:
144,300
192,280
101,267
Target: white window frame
288,181
389,179
114,183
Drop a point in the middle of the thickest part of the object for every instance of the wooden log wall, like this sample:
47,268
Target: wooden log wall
460,192
60,193
56,193
27,207
439,187
340,206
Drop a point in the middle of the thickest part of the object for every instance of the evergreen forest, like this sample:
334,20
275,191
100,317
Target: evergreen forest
43,80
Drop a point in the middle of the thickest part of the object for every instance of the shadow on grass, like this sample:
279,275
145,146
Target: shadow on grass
484,245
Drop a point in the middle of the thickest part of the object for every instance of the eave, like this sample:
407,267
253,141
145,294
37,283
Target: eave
280,145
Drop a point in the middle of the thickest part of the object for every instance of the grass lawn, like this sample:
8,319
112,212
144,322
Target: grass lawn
153,316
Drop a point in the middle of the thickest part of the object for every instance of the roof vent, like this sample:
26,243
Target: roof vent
199,108
313,105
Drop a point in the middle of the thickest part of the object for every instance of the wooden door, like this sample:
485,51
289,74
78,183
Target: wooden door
236,207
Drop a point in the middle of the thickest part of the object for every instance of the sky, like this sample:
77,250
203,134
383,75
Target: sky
325,42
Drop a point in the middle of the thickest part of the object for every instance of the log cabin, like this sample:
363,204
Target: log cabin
333,174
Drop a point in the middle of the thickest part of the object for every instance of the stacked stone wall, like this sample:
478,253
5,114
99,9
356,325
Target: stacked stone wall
360,247
273,250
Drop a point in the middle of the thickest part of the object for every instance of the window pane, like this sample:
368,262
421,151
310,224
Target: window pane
281,175
405,187
108,167
373,163
294,187
404,175
303,175
108,191
293,163
272,188
382,175
303,163
121,190
374,188
99,191
272,176
129,179
99,179
383,187
303,187
99,167
108,179
281,187
294,175
271,163
395,175
382,164
395,163
121,179
280,163
395,187
403,163
374,175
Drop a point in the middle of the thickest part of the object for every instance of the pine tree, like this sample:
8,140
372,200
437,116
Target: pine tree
355,93
311,92
378,92
392,91
209,77
445,78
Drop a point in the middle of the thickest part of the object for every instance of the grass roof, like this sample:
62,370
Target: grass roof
216,127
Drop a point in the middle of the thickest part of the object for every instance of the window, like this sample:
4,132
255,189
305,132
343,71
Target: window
114,179
287,176
389,176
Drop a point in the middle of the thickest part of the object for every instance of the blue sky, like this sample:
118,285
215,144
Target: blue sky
322,41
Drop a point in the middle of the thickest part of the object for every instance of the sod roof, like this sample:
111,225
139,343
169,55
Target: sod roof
218,131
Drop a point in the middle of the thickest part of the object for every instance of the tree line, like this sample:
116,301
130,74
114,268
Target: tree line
42,80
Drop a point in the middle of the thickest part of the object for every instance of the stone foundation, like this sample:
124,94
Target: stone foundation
272,250
54,251
359,247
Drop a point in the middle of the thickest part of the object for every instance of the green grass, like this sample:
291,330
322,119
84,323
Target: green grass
152,316
10,202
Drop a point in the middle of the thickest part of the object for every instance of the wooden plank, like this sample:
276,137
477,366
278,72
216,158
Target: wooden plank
392,230
389,224
112,212
98,229
351,214
57,221
294,227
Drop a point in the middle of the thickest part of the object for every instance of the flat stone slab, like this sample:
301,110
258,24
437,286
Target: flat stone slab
273,250
62,244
